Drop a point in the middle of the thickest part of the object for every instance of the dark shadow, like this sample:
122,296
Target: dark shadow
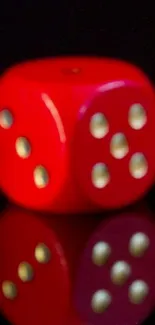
150,320
4,321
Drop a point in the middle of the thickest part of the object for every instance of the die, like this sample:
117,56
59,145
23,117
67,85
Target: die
39,259
115,280
71,130
34,277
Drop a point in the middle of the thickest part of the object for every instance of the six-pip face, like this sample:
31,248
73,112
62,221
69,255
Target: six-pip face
76,134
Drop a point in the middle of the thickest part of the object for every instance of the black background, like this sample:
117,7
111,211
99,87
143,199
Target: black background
120,29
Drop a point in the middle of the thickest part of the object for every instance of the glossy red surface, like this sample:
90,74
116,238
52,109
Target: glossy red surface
91,277
45,298
51,102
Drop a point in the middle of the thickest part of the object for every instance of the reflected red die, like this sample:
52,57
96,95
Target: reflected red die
115,281
34,277
39,259
72,129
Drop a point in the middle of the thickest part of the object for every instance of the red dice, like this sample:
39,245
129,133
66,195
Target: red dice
115,281
76,134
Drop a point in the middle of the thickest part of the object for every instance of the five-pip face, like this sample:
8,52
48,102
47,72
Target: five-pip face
115,280
114,139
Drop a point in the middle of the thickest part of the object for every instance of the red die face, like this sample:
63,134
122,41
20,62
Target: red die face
34,143
34,275
115,282
114,139
73,129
